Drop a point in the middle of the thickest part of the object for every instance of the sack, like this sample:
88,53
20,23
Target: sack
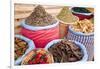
41,35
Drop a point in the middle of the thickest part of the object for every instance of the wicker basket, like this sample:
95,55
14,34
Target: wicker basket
85,39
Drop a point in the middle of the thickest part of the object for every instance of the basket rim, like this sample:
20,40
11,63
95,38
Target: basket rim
34,28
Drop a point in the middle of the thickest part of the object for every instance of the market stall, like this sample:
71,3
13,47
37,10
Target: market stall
58,34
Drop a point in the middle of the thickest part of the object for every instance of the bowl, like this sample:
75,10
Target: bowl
37,54
31,46
81,46
81,15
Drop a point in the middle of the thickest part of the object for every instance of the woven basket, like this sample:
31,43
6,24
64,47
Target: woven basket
85,39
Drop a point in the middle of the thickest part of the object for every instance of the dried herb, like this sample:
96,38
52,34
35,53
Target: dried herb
81,10
83,26
39,17
66,16
66,51
20,47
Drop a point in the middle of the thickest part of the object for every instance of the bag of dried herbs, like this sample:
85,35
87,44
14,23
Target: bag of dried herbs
41,27
65,18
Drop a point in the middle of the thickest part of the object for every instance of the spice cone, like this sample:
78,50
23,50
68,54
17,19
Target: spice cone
65,18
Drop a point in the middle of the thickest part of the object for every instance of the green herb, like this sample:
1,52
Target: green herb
81,10
66,16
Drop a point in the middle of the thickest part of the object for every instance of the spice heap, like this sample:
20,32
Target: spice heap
38,56
40,17
84,26
20,47
65,51
66,16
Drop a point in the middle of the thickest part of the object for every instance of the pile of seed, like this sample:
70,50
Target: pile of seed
39,17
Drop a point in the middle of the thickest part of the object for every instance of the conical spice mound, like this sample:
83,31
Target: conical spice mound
66,16
39,17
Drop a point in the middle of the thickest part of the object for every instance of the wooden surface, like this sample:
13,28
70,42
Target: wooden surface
22,11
